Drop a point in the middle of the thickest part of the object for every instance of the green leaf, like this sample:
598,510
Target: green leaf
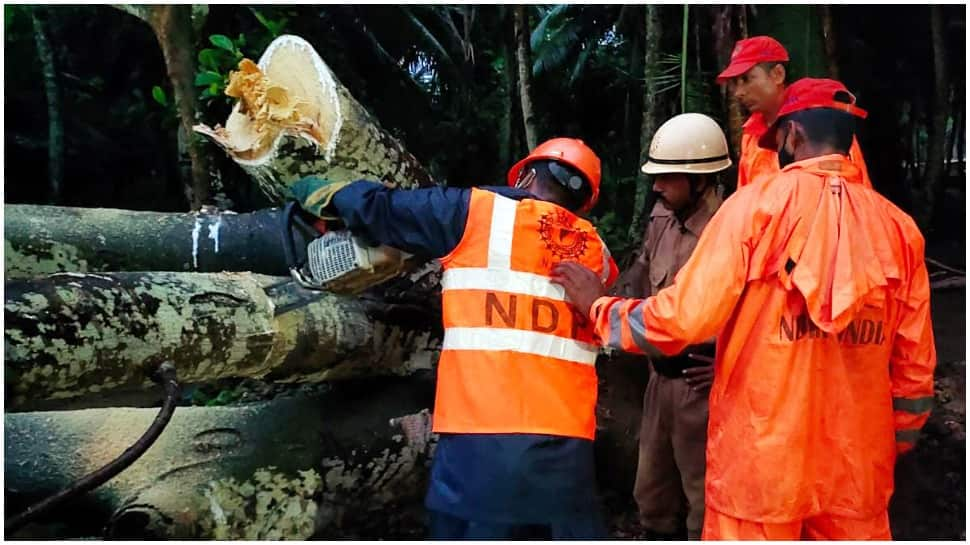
275,28
214,89
222,42
262,19
209,58
159,95
203,79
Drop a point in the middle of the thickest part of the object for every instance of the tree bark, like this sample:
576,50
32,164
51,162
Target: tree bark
55,127
933,178
335,137
42,240
70,334
328,465
524,57
173,27
650,120
633,113
956,109
508,100
725,24
830,41
736,115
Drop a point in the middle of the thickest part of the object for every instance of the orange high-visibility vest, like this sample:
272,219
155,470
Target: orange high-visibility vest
516,357
755,162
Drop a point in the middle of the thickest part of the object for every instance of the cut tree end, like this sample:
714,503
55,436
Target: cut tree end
291,91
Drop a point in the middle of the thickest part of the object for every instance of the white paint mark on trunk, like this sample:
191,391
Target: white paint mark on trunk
214,232
195,242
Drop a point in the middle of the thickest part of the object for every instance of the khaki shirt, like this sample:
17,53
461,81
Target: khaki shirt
667,245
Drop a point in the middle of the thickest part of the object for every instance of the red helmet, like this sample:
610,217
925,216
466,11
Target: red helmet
572,152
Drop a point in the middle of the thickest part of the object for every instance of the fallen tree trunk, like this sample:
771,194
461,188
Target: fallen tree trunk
295,119
332,465
49,239
71,334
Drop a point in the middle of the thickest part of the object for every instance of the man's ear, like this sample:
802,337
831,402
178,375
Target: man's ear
797,132
777,74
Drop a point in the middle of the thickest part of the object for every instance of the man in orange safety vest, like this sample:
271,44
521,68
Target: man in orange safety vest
516,381
817,289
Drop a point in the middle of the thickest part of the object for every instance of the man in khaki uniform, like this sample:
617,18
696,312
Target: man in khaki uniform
684,154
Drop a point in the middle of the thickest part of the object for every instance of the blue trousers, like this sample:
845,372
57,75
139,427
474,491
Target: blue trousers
444,526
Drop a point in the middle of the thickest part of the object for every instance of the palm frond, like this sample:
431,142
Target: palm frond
553,51
553,17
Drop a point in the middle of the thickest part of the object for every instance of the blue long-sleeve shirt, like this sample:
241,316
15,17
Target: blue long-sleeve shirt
501,478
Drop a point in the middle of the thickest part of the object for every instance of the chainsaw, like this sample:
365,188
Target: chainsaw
334,260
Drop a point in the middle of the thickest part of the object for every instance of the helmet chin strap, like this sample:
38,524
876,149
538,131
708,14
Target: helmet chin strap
693,182
525,182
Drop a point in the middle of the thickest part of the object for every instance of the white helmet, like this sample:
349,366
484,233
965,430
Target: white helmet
688,143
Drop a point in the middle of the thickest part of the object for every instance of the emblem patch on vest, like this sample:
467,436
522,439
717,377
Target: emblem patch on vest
561,236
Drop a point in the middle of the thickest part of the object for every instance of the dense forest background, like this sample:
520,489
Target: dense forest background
96,96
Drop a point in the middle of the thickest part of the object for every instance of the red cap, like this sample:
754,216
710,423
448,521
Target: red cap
808,93
750,52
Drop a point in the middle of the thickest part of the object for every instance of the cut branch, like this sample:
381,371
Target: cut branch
294,119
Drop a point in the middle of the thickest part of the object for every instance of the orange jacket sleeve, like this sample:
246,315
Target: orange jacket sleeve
688,311
913,360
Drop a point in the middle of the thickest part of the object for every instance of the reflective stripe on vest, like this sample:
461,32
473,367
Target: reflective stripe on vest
516,358
518,340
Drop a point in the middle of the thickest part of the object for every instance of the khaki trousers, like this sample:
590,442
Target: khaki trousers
670,471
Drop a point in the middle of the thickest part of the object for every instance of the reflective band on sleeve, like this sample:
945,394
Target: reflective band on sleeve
907,436
637,330
915,406
500,235
518,340
616,336
469,278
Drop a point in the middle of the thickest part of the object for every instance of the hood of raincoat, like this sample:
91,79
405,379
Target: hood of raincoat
832,260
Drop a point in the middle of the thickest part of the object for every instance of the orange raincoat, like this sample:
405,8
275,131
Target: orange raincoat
756,162
819,294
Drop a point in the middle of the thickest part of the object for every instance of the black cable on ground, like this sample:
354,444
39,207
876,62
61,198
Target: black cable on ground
165,374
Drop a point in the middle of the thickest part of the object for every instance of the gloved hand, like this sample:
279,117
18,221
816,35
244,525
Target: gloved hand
314,195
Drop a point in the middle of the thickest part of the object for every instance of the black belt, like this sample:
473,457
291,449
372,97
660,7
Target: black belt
673,367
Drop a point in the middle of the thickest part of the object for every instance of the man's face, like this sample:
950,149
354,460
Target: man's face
673,189
760,90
